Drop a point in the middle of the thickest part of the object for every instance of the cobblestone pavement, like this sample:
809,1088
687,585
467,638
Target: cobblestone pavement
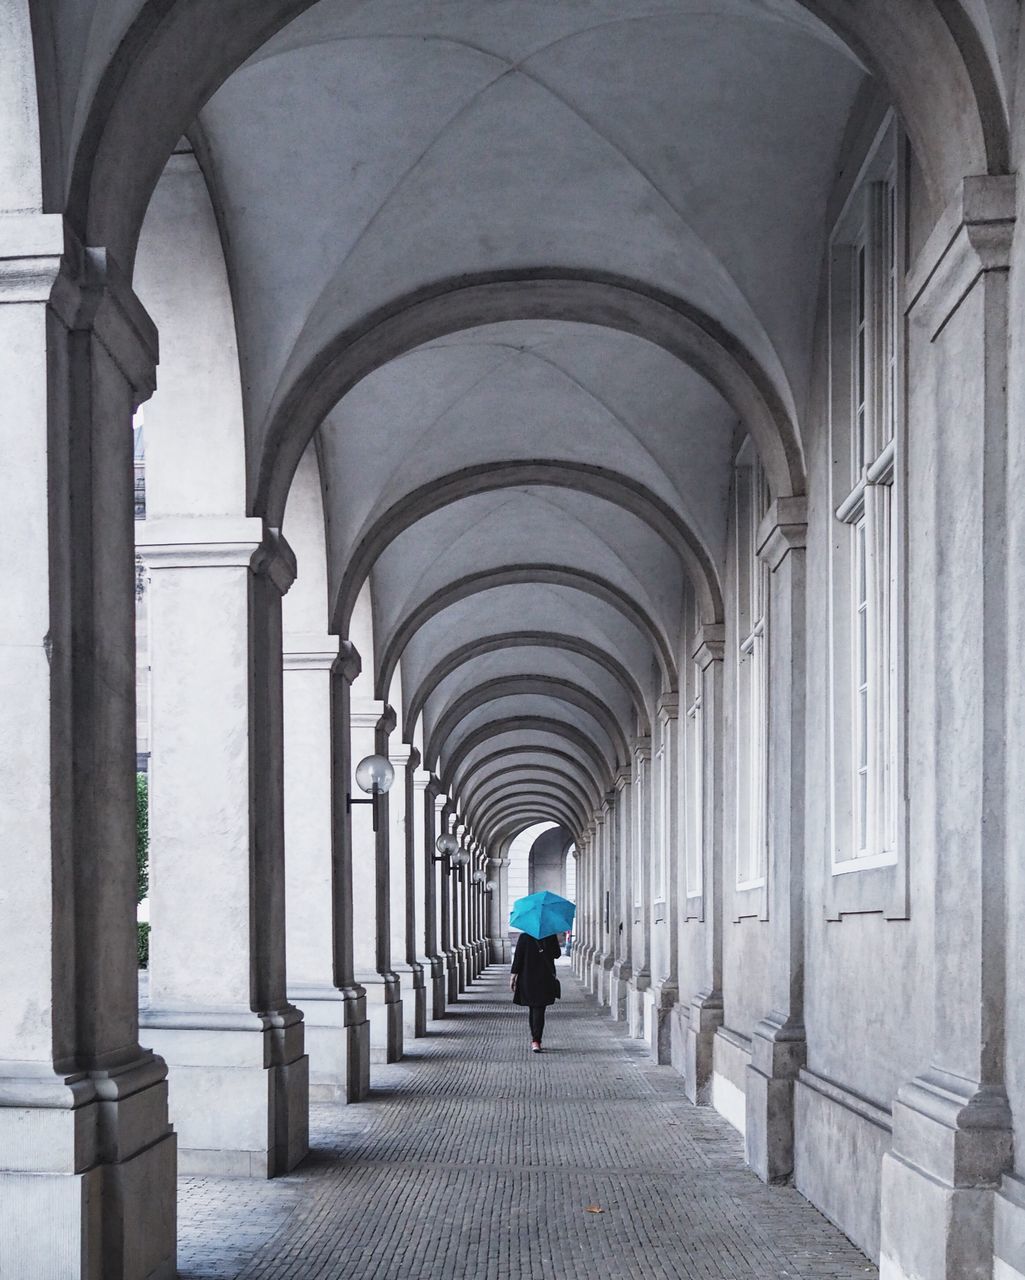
477,1160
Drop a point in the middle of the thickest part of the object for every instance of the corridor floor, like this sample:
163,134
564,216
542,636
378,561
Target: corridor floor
477,1160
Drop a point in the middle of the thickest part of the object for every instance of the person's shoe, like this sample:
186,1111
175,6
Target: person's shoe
535,1046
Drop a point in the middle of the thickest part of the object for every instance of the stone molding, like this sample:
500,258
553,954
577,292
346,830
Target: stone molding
91,293
314,661
709,645
348,664
784,528
365,713
972,237
422,779
668,707
31,253
216,542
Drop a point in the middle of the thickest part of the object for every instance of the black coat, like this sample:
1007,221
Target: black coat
534,966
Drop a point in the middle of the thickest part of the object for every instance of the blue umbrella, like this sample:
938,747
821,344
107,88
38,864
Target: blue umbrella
542,914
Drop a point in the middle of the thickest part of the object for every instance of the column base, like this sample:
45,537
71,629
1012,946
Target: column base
463,966
414,1000
619,986
696,1027
238,1089
438,986
337,1039
951,1142
659,1001
452,976
636,988
498,950
778,1052
384,1013
90,1188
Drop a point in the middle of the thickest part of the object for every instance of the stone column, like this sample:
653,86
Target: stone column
498,947
309,869
420,846
434,803
218,1009
580,921
457,885
663,994
622,969
706,1005
778,1046
952,1137
609,932
398,831
640,911
354,996
447,898
86,1152
370,889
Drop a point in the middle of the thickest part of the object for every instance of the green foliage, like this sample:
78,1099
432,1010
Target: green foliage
143,945
142,834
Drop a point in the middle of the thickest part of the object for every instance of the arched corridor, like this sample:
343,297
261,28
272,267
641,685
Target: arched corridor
471,1160
454,448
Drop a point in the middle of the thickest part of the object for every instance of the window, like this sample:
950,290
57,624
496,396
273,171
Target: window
865,361
751,501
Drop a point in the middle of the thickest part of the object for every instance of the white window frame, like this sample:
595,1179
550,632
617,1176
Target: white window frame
751,627
867,426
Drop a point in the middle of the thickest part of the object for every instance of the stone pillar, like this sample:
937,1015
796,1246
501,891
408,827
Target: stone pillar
610,854
457,885
704,909
354,996
434,803
498,947
622,969
952,1124
87,1157
218,1009
661,997
447,898
778,1046
640,911
309,872
580,921
398,831
370,889
420,837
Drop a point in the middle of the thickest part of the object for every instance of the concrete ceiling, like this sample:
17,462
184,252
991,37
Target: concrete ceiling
535,488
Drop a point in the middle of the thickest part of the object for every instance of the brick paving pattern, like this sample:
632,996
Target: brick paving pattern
476,1160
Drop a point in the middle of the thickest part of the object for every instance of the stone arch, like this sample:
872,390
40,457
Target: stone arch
538,294
554,753
516,810
491,477
530,724
589,583
502,784
513,686
535,792
523,639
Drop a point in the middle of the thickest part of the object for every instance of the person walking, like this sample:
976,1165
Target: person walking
533,981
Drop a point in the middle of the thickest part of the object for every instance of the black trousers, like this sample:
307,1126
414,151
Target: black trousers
537,1022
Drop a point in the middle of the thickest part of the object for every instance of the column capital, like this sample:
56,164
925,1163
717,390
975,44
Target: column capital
622,779
784,528
348,664
401,754
972,237
92,293
641,748
216,542
365,713
668,706
709,645
422,779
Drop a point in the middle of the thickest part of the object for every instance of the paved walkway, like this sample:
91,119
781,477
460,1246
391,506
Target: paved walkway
477,1160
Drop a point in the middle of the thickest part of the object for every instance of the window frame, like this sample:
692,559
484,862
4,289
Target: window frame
867,429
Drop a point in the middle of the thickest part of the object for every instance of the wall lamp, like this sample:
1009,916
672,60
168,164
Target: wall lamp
478,877
374,774
490,886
